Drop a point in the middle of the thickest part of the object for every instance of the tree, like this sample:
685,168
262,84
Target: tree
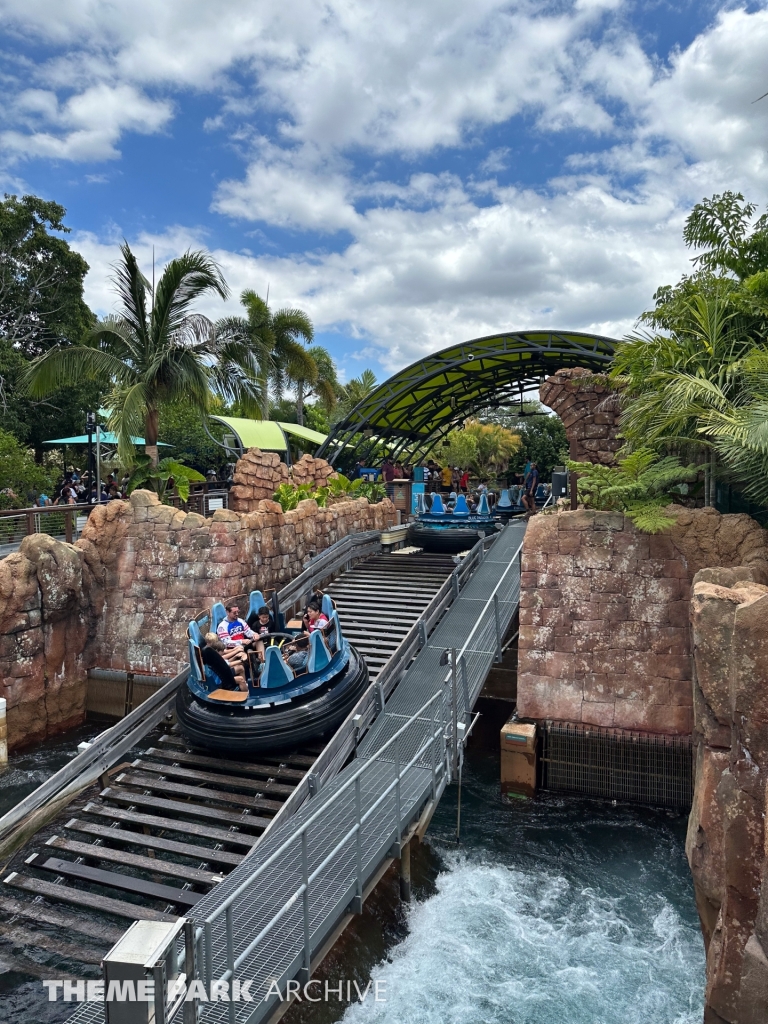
354,392
273,340
156,350
542,436
181,426
20,474
723,227
41,278
322,384
485,448
460,450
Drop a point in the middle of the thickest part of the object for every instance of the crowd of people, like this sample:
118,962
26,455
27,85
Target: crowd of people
236,652
76,488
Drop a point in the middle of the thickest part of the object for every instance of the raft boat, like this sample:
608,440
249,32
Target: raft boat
282,707
438,530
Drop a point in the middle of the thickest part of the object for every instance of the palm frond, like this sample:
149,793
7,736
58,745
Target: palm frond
60,366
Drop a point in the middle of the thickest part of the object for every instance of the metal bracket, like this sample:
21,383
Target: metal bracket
312,784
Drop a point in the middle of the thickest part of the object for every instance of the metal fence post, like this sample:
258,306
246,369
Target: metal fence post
422,633
433,751
305,879
465,688
455,584
190,1008
397,789
454,715
498,626
232,1008
359,847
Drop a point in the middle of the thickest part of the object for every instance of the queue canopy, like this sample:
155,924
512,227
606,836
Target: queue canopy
106,437
421,404
268,435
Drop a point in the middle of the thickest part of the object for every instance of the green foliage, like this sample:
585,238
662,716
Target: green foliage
41,278
353,393
542,437
288,496
641,486
181,426
723,227
462,450
163,478
158,350
20,474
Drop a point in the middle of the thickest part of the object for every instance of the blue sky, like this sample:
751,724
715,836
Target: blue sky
410,173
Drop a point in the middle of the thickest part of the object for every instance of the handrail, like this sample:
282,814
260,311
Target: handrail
37,510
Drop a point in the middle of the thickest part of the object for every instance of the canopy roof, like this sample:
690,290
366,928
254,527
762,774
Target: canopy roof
105,437
423,402
268,435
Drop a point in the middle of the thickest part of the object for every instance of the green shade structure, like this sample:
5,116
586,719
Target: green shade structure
420,404
268,435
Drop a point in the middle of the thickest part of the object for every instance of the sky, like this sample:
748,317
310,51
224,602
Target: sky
411,173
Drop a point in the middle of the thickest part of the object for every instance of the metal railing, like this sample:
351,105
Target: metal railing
202,934
55,520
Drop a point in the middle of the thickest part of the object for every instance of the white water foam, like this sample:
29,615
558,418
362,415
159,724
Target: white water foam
496,944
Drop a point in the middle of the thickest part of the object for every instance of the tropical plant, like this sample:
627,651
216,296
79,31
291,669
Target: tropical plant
641,486
353,392
163,478
371,490
322,384
495,446
460,448
288,496
156,350
273,340
20,475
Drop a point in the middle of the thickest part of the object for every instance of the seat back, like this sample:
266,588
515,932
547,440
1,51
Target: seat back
482,505
437,505
334,633
328,606
196,666
504,501
461,508
319,654
193,632
255,601
421,505
218,612
276,671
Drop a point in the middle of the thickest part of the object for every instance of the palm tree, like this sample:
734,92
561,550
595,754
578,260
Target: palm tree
355,391
675,387
323,384
273,340
155,350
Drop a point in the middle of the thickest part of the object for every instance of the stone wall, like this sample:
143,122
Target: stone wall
604,614
121,596
258,475
589,411
727,842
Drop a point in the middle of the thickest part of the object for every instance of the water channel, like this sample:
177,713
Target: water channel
552,912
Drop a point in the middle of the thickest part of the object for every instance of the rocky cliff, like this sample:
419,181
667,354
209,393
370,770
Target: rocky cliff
727,843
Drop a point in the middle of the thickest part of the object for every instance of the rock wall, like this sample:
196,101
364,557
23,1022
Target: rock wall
121,596
258,475
589,411
604,614
727,843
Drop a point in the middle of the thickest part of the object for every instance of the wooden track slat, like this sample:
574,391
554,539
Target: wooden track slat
180,807
173,788
49,915
254,785
191,828
183,757
300,760
66,894
116,880
97,851
118,835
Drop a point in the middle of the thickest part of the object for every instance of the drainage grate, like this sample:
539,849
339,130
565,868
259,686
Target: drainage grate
638,768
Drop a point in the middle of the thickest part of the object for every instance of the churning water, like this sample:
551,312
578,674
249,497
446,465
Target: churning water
558,912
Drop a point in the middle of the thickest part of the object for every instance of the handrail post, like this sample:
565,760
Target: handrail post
498,626
465,689
232,1008
190,1006
397,790
305,878
454,716
30,516
359,847
432,751
68,525
455,584
208,955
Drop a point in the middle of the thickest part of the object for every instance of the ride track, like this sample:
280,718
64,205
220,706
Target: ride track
162,834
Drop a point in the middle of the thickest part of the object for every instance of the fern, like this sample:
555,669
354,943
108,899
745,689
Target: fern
640,486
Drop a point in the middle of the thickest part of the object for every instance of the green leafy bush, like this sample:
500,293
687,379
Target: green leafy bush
20,474
163,478
288,496
641,486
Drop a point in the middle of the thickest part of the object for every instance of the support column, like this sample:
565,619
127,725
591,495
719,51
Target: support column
405,873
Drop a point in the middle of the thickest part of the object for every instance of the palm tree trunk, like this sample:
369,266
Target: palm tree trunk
300,403
151,425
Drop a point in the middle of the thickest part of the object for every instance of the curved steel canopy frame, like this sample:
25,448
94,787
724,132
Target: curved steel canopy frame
422,403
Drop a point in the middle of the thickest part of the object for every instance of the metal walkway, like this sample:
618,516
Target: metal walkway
270,918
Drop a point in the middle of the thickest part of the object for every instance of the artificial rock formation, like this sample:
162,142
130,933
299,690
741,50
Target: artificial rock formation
589,411
121,596
258,475
604,614
727,843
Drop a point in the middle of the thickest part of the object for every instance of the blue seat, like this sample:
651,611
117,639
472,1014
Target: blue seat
255,601
319,654
218,612
193,632
483,509
461,507
196,666
276,671
504,501
328,608
421,505
437,505
335,635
